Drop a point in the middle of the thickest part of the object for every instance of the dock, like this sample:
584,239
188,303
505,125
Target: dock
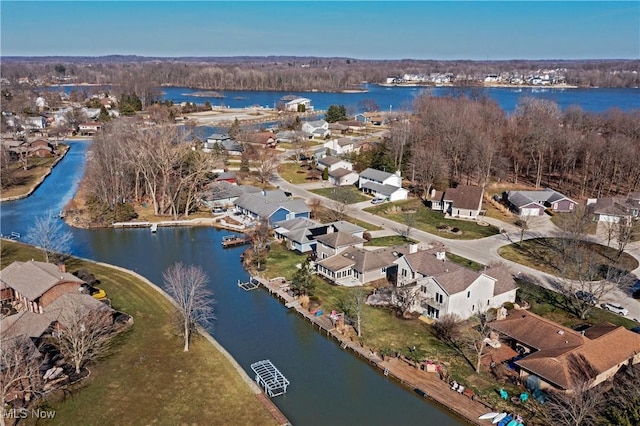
234,241
154,227
249,285
270,378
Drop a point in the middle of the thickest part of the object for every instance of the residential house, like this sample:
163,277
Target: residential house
338,128
299,104
534,203
34,285
89,129
342,145
265,139
318,128
441,287
376,118
353,125
356,266
40,148
340,171
464,201
615,209
229,177
302,234
382,184
334,242
560,358
34,123
274,206
292,136
223,194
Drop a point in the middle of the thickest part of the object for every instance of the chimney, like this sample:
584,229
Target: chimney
62,267
330,229
264,193
433,192
398,173
441,255
413,248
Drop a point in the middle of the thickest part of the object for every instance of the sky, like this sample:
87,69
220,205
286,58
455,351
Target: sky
446,30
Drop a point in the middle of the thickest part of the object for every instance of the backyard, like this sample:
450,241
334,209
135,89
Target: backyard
431,221
146,378
347,194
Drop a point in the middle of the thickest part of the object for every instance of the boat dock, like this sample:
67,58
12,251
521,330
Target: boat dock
270,378
411,375
234,240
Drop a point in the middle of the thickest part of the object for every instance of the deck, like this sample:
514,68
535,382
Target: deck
234,241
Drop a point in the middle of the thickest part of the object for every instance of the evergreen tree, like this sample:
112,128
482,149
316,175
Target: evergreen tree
336,113
325,174
234,130
104,115
302,281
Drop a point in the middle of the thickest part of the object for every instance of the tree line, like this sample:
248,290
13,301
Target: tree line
143,77
459,140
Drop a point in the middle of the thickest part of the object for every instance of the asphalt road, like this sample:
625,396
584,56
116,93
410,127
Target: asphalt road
484,250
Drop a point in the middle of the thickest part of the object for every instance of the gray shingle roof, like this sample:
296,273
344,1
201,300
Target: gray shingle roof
297,223
386,190
329,160
348,227
32,279
340,172
374,174
223,190
266,203
339,239
363,260
24,323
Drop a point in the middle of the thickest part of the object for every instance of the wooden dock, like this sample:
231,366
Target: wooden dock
426,384
234,241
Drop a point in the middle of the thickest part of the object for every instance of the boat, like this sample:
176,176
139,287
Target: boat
488,416
505,421
498,418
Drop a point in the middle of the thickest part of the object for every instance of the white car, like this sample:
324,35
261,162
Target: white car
615,309
378,200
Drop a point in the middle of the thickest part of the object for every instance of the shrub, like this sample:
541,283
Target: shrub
367,236
507,305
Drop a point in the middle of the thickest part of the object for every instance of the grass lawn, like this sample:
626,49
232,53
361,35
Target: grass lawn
392,240
463,261
349,193
555,307
294,173
323,216
558,219
544,255
146,378
26,179
427,220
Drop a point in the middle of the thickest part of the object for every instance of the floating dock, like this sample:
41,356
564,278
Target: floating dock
154,227
270,378
249,285
234,241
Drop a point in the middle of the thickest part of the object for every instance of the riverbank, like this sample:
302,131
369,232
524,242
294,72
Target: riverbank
425,379
146,378
25,190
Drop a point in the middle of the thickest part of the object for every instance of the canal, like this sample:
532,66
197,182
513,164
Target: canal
328,385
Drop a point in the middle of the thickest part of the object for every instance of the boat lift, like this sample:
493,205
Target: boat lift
270,378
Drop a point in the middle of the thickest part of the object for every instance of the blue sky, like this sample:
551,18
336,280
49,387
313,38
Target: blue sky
479,30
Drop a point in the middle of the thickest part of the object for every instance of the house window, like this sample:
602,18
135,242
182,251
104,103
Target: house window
384,269
469,294
473,308
423,289
571,206
439,298
404,272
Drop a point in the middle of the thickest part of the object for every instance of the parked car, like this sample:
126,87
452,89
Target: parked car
378,200
615,308
586,297
636,330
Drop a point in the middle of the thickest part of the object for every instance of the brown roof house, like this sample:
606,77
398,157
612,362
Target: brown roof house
463,201
356,266
563,359
440,287
34,285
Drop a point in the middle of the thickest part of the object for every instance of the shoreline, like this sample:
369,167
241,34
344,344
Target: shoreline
39,182
482,85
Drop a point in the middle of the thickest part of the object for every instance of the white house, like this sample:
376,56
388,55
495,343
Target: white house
464,201
33,123
340,171
333,163
342,145
318,128
382,184
441,287
298,104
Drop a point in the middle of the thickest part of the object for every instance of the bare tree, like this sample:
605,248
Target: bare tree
266,164
582,404
48,234
405,296
341,205
473,338
83,334
410,222
353,307
20,373
315,205
447,328
187,285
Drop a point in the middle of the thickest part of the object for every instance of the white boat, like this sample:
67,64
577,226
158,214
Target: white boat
488,416
499,417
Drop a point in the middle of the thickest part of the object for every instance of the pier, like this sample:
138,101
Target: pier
270,378
234,241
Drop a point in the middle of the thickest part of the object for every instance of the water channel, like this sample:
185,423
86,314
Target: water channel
328,385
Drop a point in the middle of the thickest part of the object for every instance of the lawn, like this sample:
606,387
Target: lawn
25,180
463,261
294,173
555,307
429,221
545,255
392,240
146,378
323,216
350,194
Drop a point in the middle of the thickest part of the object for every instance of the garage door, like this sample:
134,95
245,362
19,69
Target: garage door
530,212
